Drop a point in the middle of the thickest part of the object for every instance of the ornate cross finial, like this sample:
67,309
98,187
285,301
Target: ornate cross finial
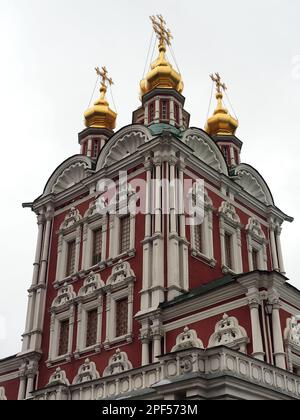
219,85
159,25
103,74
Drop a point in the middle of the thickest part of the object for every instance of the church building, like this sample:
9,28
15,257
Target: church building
134,297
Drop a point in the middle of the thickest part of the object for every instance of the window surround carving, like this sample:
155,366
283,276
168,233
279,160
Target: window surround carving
90,297
187,339
86,373
70,230
256,241
229,333
118,363
63,309
93,221
115,226
292,344
120,285
207,230
59,377
230,224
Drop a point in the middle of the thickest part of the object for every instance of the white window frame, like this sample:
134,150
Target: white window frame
83,309
258,244
88,242
114,249
56,319
207,239
118,291
62,257
233,228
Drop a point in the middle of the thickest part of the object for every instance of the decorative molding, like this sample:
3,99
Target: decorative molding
125,146
118,363
71,219
91,285
292,331
59,377
65,296
254,229
121,274
204,151
187,339
87,372
228,212
70,177
229,333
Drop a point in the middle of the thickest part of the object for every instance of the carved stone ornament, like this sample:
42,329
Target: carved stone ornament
254,228
229,333
292,331
70,177
59,377
71,218
204,151
2,394
118,363
87,372
91,284
65,295
121,272
187,339
228,211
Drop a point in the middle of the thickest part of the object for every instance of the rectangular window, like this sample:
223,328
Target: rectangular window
228,250
164,110
199,238
63,347
176,113
97,246
91,328
237,158
121,317
255,259
225,153
124,234
151,112
71,258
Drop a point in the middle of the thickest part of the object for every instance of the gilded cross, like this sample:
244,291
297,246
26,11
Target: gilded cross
217,79
103,74
159,25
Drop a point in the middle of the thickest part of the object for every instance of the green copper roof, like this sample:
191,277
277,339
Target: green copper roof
157,129
224,281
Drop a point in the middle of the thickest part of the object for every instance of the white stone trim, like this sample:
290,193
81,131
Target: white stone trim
83,309
88,231
256,241
117,364
86,373
187,339
230,224
218,310
56,319
2,394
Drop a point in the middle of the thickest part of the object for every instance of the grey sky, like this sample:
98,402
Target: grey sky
48,51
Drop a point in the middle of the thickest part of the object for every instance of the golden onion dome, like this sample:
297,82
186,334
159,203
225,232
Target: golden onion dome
162,74
221,123
100,115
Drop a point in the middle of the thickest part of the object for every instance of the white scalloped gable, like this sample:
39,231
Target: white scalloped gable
205,149
253,183
124,143
69,173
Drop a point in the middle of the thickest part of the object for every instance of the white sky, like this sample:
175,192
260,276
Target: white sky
48,50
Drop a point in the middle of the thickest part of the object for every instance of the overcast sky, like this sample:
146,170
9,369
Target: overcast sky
48,51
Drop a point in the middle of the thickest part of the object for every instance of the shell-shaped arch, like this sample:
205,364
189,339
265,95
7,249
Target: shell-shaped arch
124,143
205,149
69,173
253,183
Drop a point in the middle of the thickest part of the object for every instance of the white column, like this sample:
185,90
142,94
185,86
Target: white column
30,385
145,352
279,249
258,350
41,221
157,337
279,354
22,388
232,157
157,111
89,147
172,114
273,247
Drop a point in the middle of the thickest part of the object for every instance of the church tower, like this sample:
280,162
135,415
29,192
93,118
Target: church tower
159,272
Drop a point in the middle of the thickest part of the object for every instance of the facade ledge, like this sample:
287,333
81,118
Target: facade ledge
57,360
203,258
211,373
125,339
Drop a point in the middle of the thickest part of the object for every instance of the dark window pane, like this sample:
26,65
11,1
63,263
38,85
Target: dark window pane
121,317
71,258
91,328
64,338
